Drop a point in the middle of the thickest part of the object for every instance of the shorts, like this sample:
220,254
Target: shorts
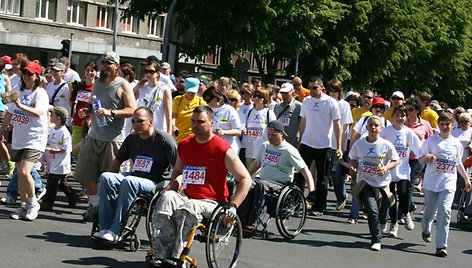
95,158
30,155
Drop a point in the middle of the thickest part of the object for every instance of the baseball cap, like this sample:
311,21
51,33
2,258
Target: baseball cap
58,66
8,63
33,68
398,94
60,111
191,84
378,100
111,56
286,87
276,125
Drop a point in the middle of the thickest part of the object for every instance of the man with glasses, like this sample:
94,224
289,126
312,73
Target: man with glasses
299,91
288,113
397,99
319,118
98,149
153,153
364,110
246,92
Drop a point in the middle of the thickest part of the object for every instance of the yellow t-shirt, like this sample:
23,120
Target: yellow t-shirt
301,94
431,116
389,114
183,108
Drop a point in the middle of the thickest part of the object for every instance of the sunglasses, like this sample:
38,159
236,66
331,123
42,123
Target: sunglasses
139,121
182,81
150,71
378,107
232,99
396,98
314,87
368,97
258,96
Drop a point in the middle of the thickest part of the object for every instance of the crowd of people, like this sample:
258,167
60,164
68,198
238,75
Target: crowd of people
129,135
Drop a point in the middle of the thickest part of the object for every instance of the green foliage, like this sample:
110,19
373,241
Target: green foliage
411,45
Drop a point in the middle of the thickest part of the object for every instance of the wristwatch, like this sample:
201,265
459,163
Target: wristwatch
112,113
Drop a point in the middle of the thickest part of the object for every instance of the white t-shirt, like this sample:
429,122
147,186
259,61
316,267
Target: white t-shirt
153,98
242,112
227,118
346,119
361,126
441,174
405,141
15,82
256,127
71,76
370,156
59,163
166,80
62,97
319,115
465,137
30,132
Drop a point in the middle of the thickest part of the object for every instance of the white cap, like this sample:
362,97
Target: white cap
8,66
286,87
350,93
398,94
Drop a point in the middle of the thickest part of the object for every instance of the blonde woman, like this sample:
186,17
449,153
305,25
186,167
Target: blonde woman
234,99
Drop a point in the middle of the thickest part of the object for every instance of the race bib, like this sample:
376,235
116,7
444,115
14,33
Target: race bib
19,118
143,163
445,166
401,150
370,169
271,158
254,133
83,95
194,175
285,120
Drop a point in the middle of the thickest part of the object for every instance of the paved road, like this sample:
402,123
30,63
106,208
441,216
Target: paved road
61,239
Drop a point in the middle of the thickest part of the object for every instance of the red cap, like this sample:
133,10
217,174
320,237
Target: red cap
6,59
33,68
378,100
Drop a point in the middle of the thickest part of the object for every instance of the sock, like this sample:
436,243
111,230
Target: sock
93,200
32,200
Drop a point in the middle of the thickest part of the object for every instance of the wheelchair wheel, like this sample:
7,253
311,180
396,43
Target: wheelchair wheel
134,243
224,238
290,212
135,212
150,210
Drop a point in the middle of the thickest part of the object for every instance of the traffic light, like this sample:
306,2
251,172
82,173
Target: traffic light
65,48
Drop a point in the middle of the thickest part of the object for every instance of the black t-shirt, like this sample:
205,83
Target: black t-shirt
151,157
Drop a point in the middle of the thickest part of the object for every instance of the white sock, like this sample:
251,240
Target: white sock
93,200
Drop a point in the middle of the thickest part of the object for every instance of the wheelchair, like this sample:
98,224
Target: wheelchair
287,206
142,206
222,235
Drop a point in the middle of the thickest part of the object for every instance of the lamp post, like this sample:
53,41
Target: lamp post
165,42
115,24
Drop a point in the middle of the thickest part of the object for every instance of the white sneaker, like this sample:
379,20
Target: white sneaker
111,237
376,247
19,214
384,228
409,224
41,195
341,205
393,230
100,234
8,200
32,210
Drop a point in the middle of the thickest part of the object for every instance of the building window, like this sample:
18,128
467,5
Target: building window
130,25
12,7
104,17
156,26
76,12
46,9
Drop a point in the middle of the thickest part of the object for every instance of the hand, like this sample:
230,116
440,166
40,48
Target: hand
243,131
230,214
220,132
430,158
352,171
17,103
339,154
83,113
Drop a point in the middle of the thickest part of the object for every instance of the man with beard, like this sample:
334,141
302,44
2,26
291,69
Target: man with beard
98,149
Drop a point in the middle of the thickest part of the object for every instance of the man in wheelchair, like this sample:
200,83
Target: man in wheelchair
277,159
198,184
152,153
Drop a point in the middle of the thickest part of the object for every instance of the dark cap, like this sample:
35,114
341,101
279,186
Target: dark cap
60,111
150,59
276,125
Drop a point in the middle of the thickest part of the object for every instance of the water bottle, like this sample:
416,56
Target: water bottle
101,121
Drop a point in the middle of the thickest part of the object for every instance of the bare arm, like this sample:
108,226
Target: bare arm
337,133
240,173
168,110
301,128
115,166
7,83
465,176
308,178
254,167
30,110
174,184
344,133
355,138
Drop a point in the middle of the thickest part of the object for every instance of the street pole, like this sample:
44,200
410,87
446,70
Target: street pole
165,42
297,58
70,46
115,24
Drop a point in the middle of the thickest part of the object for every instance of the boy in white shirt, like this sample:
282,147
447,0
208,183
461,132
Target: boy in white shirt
58,160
